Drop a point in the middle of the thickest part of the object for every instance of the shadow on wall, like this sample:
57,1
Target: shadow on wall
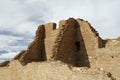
43,54
82,59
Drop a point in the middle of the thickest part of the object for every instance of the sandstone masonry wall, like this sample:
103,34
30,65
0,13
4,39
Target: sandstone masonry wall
74,42
91,41
36,50
64,49
51,34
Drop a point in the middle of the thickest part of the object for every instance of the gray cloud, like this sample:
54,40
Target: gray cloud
11,33
3,51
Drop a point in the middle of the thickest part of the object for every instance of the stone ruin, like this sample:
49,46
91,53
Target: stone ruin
74,42
74,49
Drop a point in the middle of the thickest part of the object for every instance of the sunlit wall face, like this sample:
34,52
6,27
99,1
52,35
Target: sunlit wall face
19,19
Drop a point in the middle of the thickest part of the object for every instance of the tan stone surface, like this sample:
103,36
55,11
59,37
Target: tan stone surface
53,70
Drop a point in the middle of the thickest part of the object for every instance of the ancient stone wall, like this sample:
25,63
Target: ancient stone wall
65,49
74,42
82,55
70,46
36,50
51,33
91,41
89,37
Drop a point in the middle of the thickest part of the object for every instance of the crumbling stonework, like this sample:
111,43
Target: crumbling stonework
53,70
4,64
66,36
73,43
76,44
36,50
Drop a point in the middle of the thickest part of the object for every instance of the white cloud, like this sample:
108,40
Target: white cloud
10,46
8,55
7,39
19,15
102,14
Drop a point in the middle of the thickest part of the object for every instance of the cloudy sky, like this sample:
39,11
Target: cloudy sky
19,19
